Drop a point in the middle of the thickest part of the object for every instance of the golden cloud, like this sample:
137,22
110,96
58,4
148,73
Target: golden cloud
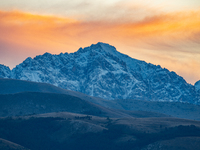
169,34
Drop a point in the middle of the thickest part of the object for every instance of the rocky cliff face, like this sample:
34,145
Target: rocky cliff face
101,71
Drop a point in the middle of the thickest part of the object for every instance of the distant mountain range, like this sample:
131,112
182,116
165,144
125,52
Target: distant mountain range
101,71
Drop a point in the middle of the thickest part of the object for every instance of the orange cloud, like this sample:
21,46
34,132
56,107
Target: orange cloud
30,30
170,35
179,26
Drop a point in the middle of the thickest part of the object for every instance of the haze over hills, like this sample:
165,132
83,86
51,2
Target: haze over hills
101,71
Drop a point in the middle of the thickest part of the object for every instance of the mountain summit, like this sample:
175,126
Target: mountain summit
101,71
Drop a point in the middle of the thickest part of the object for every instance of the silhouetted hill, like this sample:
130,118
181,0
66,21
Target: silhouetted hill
37,103
29,103
13,86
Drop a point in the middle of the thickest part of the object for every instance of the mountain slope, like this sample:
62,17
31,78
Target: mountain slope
13,86
29,103
101,71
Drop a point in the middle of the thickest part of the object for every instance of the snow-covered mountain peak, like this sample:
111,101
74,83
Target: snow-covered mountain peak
28,59
104,47
99,48
47,55
101,71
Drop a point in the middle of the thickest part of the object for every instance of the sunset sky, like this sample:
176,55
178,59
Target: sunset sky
162,32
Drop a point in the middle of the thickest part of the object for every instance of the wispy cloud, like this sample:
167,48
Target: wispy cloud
166,39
